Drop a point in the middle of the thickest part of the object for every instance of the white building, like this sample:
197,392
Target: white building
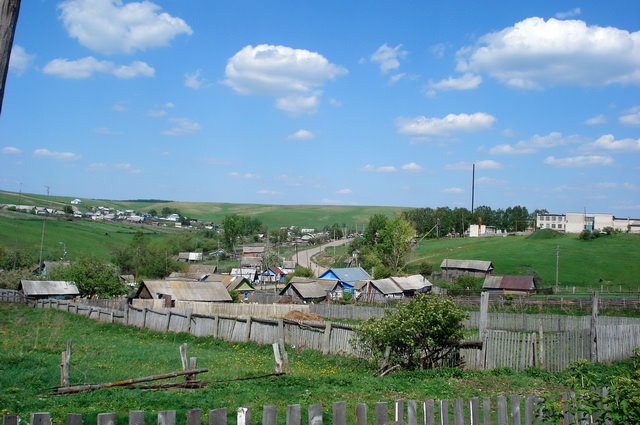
577,222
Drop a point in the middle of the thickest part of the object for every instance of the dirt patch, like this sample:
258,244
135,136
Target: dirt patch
302,316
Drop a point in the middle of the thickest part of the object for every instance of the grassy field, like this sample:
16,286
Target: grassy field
273,216
612,261
31,341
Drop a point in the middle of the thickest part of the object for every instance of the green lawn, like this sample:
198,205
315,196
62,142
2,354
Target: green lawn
31,341
611,261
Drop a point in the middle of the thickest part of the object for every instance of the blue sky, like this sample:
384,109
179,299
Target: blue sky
331,102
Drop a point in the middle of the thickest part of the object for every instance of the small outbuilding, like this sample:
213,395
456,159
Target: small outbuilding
42,289
510,285
452,268
347,276
303,290
183,290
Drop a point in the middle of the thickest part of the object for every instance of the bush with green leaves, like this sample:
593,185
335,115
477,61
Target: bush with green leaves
92,276
420,334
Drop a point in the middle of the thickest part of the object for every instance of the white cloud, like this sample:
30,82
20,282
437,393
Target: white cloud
569,13
449,125
296,104
468,81
629,186
453,190
181,126
631,118
195,80
20,60
379,169
62,156
88,66
535,53
579,161
486,164
110,26
344,191
532,145
161,111
412,167
301,134
438,50
120,107
11,150
596,120
293,76
609,143
120,167
488,181
388,58
246,176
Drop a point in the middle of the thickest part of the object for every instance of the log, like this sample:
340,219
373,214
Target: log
91,387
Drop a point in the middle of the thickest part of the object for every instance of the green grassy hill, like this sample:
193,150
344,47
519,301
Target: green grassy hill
609,260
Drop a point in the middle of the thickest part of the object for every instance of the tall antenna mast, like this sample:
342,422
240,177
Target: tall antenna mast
473,185
44,221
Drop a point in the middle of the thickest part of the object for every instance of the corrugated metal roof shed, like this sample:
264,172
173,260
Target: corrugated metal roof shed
386,286
186,290
349,275
478,265
33,288
309,290
252,250
509,283
414,282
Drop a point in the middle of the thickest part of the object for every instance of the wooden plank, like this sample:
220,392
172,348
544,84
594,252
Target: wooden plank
136,417
381,413
105,419
398,411
326,343
243,416
429,412
167,417
339,413
40,418
515,409
218,416
458,411
74,419
194,416
594,328
502,410
529,407
10,419
247,330
361,414
269,415
293,414
474,411
315,414
412,416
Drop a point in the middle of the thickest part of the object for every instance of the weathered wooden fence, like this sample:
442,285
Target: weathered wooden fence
504,410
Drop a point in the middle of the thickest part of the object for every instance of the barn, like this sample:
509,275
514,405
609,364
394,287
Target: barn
452,268
510,285
183,290
42,289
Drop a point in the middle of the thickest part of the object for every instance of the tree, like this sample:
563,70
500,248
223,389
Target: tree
233,226
395,243
92,276
420,334
375,225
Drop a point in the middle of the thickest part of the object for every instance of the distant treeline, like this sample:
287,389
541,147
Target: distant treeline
438,222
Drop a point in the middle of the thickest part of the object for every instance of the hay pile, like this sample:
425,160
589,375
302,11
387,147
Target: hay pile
300,316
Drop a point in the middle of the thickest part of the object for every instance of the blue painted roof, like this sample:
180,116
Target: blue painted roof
348,275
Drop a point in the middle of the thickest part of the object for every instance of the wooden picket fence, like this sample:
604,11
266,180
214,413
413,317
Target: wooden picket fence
504,410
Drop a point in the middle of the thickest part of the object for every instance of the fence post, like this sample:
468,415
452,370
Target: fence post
193,416
243,416
398,411
315,414
483,323
528,409
218,416
458,411
540,347
486,411
444,412
326,343
269,415
594,327
474,411
339,413
515,409
167,417
216,321
136,417
10,419
293,414
361,414
412,417
166,328
144,317
106,419
40,418
280,335
502,410
381,413
429,409
247,330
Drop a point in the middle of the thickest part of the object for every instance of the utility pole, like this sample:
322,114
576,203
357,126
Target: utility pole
44,221
557,266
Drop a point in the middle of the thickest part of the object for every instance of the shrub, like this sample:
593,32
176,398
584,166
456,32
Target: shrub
420,334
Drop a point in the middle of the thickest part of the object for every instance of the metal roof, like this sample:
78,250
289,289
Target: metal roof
414,282
309,290
253,249
48,287
347,274
386,286
514,283
187,290
478,265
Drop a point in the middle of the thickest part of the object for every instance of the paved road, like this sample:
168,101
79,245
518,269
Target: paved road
305,260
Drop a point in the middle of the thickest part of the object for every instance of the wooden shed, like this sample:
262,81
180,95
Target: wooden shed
41,289
452,268
512,285
183,290
303,290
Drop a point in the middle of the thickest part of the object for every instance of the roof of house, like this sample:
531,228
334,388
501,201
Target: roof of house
349,275
478,265
414,282
48,287
274,270
306,290
252,250
385,286
188,276
190,256
187,290
202,268
244,272
512,283
234,282
250,261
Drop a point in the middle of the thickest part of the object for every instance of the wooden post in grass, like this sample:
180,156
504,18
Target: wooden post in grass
193,416
315,414
136,417
541,359
293,414
167,417
106,419
326,342
269,415
218,416
482,327
243,416
10,419
361,414
42,418
65,365
280,358
339,413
